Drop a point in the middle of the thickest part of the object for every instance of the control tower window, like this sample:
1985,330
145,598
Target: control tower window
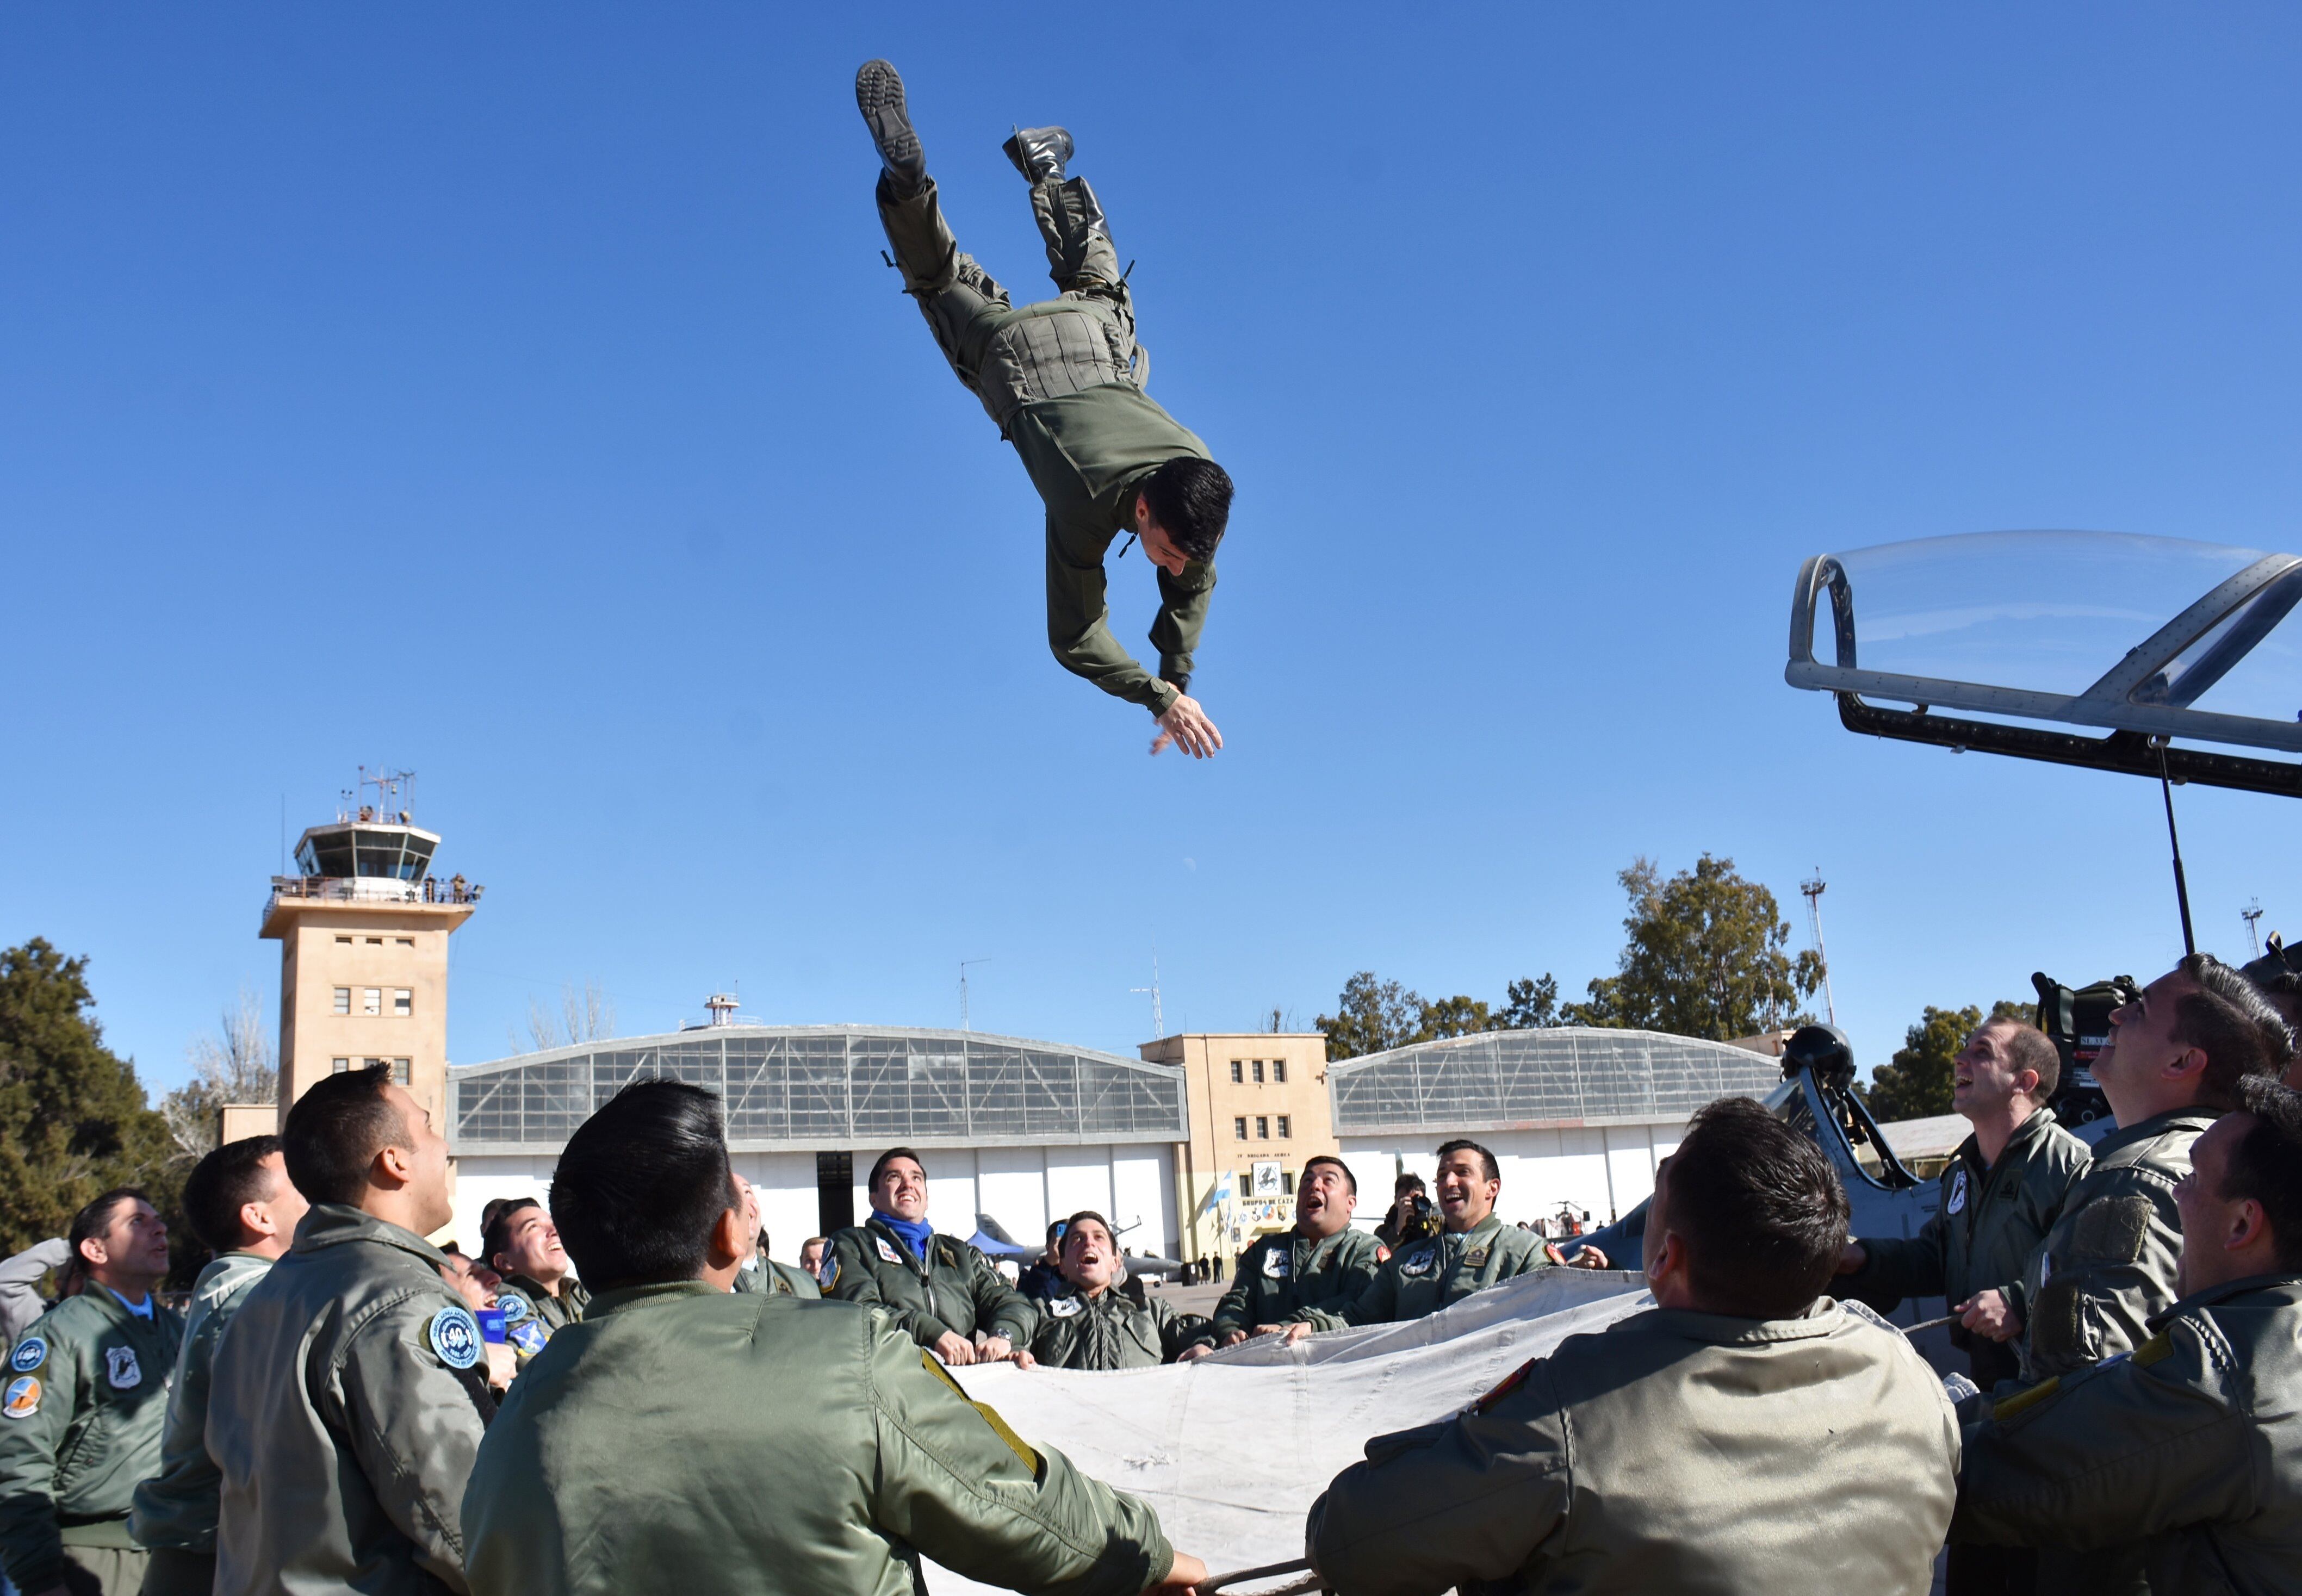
371,1000
403,1001
343,999
341,1066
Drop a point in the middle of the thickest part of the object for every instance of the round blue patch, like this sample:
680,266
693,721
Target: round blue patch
516,1307
31,1353
456,1337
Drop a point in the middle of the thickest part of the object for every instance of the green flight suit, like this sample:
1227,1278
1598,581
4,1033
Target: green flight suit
1286,1277
954,1290
344,1411
1425,1276
532,1314
1063,381
1111,1331
766,1277
2194,1442
1989,1221
1674,1451
696,1442
81,1424
174,1515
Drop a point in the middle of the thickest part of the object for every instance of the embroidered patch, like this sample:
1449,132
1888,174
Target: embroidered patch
1419,1262
122,1369
23,1398
1477,1260
31,1353
1063,1307
1276,1264
886,1252
2111,1230
830,1275
528,1338
516,1307
1957,1203
455,1336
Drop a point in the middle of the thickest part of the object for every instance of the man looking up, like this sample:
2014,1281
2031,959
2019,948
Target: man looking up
85,1402
538,1294
1321,1264
347,1399
1063,381
1703,1445
943,1292
2195,1443
685,1440
1094,1325
241,1203
1473,1250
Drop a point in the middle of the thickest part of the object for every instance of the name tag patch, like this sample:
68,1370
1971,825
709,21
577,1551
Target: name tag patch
23,1398
122,1369
1477,1260
1277,1264
1065,1307
31,1353
1419,1262
455,1336
1957,1203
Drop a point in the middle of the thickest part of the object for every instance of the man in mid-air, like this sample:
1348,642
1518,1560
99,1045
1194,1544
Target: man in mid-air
1063,380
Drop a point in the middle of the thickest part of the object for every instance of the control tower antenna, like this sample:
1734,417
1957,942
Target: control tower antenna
395,795
963,963
1813,890
2250,914
1159,1020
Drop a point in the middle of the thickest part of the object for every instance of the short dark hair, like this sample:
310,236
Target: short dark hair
97,1217
1486,1159
1189,499
1071,1225
1406,1183
2031,1049
1349,1179
2266,1163
496,1234
642,1183
2230,1020
224,1182
1055,1228
880,1164
1761,1209
335,1129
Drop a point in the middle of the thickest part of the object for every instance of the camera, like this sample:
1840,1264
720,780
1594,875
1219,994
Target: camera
2078,1021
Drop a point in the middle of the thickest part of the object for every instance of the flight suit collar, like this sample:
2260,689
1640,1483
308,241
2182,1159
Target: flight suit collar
2195,1117
2227,1291
1823,1318
924,1267
332,1224
536,1291
1492,1223
623,1298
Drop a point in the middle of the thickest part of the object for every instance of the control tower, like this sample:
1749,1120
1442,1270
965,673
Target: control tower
364,928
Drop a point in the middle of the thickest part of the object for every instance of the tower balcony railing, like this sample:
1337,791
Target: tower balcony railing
370,889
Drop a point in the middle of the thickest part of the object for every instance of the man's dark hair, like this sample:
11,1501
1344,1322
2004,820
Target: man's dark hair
2266,1163
1761,1209
496,1234
642,1183
1071,1225
1493,1171
1189,498
224,1182
879,1166
2230,1020
97,1218
1405,1184
1055,1230
1349,1179
2032,1049
336,1128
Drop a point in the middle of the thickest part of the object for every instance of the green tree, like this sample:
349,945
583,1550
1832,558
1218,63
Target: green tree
73,1120
1915,1083
1528,1005
1455,1016
1372,1016
1707,956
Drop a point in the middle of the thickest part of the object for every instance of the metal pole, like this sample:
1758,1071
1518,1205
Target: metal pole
2181,888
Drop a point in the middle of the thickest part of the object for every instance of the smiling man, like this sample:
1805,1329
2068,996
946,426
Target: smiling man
1094,1325
943,1292
540,1291
1473,1250
86,1405
1320,1266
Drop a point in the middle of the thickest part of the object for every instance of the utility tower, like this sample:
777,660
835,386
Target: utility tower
1159,1020
963,963
1813,891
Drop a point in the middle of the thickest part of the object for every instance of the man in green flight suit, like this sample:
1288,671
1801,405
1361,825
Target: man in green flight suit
1473,1250
759,1273
2193,1440
1321,1266
540,1291
1094,1324
84,1405
938,1288
242,1204
1063,381
2170,1067
348,1400
1745,1434
689,1440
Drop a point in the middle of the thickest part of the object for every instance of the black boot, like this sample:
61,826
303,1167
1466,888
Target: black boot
1038,153
879,97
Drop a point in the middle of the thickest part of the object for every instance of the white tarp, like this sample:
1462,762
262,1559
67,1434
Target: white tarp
1233,1450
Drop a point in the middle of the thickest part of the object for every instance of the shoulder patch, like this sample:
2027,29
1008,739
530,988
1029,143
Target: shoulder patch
1015,1443
121,1369
23,1398
2024,1401
1510,1382
515,1306
455,1336
1418,1261
2112,1229
1957,1202
2156,1350
1276,1262
831,1276
31,1353
527,1339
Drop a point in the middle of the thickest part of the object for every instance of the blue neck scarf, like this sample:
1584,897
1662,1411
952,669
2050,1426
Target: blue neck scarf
914,1233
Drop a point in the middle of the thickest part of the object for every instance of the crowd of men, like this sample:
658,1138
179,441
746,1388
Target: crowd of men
621,1393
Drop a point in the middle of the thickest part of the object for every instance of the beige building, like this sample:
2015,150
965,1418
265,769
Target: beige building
1259,1106
364,933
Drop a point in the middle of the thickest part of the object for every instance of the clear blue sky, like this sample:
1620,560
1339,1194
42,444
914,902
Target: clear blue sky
520,398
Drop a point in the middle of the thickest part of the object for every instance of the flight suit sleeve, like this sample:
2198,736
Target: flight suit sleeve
954,1481
29,1546
1235,1311
20,1284
1354,1271
1525,1257
1902,1265
1467,1500
1000,1309
1078,630
1180,1332
414,1424
2116,1269
2125,1449
1183,603
856,1280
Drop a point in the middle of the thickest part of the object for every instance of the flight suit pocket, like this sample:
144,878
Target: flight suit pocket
2111,1230
2058,1321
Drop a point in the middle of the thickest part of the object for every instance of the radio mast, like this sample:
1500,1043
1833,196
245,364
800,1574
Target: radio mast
1813,891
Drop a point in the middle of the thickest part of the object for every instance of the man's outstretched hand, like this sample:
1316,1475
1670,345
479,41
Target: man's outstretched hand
1187,727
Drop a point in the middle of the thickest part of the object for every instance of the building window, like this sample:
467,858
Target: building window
405,941
1238,1127
1237,1072
1279,1071
343,942
403,1001
342,1066
376,941
400,1072
343,999
1258,1071
1262,1128
1283,1130
371,1000
1287,1181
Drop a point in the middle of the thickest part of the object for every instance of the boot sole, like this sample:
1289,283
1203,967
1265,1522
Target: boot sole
879,97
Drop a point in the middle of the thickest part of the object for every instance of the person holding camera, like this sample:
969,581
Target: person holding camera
1412,1217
